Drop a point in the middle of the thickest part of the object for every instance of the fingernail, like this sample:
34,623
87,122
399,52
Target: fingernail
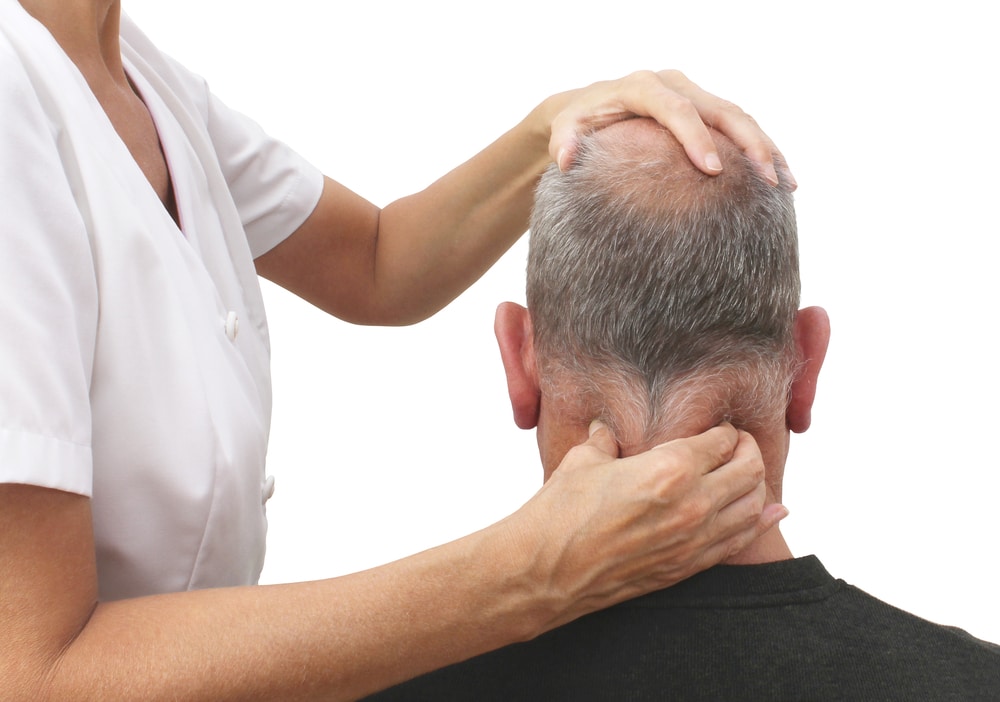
562,158
595,426
771,174
792,183
712,162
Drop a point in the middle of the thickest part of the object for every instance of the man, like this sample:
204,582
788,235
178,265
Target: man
662,302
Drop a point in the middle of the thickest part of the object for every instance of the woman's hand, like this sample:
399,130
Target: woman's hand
604,529
405,262
673,101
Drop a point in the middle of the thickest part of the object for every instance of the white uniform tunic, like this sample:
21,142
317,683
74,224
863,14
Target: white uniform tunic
134,359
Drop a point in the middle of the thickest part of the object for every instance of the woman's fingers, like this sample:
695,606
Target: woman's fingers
732,121
709,450
620,527
601,439
674,101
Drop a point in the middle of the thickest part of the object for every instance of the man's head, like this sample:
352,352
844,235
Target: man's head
660,300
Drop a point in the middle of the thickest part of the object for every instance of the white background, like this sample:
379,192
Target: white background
387,441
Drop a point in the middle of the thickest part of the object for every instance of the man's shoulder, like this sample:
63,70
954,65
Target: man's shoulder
784,631
911,631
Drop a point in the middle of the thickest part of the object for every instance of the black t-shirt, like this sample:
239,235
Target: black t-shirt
766,633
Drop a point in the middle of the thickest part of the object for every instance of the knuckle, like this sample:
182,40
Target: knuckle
754,507
721,450
734,110
676,455
693,510
757,471
734,545
651,84
576,454
675,479
679,103
759,152
643,77
672,76
583,455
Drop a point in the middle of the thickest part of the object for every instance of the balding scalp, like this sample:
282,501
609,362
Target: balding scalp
662,290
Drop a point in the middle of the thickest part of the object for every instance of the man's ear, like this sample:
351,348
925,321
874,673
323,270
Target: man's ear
516,340
812,336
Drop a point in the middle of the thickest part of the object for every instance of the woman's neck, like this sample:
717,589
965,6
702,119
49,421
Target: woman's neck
87,30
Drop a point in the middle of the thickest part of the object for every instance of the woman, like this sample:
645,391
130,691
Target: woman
135,390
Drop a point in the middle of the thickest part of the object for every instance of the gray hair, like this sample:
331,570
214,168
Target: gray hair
657,292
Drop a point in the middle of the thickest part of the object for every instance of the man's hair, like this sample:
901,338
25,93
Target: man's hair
657,291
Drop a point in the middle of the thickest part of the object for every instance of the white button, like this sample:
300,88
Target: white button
232,325
267,490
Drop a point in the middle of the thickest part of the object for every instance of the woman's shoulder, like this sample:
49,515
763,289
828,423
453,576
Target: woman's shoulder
35,79
15,83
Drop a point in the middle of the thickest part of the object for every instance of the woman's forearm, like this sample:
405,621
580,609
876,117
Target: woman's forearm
434,244
335,639
403,263
599,531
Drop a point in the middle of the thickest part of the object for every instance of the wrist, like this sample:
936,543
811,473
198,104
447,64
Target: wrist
538,123
525,576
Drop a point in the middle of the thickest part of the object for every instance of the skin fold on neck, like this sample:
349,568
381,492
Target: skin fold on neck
556,437
87,30
561,426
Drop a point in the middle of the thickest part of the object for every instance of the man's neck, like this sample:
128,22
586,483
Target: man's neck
767,548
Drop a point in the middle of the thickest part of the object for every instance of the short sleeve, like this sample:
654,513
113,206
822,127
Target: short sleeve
274,188
48,314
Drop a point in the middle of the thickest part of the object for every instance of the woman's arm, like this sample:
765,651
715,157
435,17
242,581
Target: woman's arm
405,262
582,543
